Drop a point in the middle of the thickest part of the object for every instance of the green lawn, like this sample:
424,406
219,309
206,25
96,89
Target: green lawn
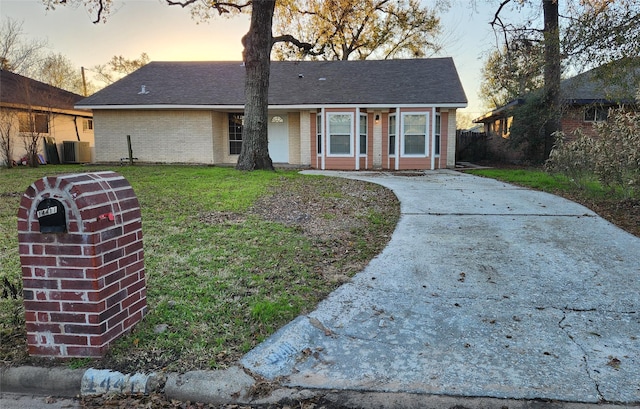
216,287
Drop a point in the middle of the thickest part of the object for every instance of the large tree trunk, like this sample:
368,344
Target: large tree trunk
257,51
551,72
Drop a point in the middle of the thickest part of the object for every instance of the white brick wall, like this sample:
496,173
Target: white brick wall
304,139
156,136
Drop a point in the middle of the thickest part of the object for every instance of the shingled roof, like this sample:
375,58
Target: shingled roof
19,91
431,81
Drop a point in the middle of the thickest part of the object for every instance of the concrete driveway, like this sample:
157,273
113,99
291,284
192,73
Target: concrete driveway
486,290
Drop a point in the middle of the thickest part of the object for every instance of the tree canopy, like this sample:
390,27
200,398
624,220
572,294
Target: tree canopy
359,29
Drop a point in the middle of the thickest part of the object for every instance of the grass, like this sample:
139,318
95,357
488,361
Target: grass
610,203
540,180
214,289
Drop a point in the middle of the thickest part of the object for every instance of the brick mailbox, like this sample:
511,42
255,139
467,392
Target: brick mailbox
80,243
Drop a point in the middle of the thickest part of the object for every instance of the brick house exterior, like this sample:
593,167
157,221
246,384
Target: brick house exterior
586,99
51,110
351,115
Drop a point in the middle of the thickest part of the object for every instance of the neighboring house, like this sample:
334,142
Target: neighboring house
390,114
30,109
586,98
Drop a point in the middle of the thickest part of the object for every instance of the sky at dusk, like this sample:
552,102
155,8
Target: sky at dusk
170,34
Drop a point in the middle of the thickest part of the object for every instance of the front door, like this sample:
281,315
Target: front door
278,138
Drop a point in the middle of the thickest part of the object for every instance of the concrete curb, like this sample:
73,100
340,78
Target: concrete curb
66,382
235,386
41,381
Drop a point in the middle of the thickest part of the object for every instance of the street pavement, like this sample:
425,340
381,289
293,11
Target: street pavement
486,290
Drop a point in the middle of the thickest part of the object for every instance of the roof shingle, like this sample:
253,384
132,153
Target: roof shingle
300,83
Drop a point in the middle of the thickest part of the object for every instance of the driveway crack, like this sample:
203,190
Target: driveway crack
585,355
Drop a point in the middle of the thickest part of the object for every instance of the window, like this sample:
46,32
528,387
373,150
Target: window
340,134
319,133
235,133
392,135
34,123
414,134
437,136
363,134
87,125
596,114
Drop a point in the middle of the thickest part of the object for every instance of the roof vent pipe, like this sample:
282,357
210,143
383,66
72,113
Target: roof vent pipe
143,90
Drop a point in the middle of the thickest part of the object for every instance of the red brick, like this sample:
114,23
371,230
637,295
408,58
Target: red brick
77,262
71,339
79,285
139,306
126,261
131,299
126,239
113,277
83,307
41,305
40,261
134,247
40,350
28,272
113,333
70,296
117,319
85,329
57,249
30,316
116,298
65,273
136,267
103,247
110,234
43,317
132,320
129,280
113,255
89,352
135,287
110,313
133,227
77,318
109,290
53,328
40,296
34,283
90,200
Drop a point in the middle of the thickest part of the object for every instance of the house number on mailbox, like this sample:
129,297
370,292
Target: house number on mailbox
51,216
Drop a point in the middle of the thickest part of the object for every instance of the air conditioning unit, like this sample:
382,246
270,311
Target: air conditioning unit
76,152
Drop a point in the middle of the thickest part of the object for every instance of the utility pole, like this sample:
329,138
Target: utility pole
84,82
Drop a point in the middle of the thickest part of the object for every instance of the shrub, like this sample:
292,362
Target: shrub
613,157
573,159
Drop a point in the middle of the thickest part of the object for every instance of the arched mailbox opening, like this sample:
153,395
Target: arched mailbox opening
51,216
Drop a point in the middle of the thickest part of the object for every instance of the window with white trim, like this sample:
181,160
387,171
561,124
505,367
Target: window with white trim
87,125
236,122
30,122
340,134
596,114
363,134
414,134
392,135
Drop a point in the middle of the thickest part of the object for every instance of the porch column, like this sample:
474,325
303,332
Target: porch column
433,138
